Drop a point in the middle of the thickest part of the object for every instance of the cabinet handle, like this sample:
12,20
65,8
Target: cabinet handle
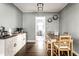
23,38
15,44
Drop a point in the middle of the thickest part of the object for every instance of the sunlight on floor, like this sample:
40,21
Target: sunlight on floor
40,41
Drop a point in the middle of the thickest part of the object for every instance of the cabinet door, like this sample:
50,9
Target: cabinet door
10,45
24,39
14,44
2,47
21,40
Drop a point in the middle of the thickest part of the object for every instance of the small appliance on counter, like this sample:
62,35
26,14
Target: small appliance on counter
10,32
3,32
19,30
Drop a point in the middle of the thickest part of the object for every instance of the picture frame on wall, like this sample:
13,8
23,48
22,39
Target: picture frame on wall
50,20
55,17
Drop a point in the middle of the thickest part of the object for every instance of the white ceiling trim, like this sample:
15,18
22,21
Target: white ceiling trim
48,7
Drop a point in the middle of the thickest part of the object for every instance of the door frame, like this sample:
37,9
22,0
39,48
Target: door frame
43,17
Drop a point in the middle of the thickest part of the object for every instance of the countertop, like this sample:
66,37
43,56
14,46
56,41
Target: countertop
8,36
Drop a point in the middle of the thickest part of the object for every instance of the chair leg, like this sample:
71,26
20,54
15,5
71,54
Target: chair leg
68,53
62,52
51,49
71,53
58,52
72,48
47,46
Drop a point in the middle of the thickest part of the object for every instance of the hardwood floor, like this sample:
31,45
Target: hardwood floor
33,49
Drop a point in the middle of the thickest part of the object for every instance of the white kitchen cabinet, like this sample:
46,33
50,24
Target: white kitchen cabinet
2,47
10,46
21,40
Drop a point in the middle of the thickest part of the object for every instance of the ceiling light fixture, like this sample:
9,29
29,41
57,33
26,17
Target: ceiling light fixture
40,7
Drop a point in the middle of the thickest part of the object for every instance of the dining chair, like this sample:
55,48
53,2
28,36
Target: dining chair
62,44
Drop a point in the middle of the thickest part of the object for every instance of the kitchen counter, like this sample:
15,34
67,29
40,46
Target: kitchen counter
8,36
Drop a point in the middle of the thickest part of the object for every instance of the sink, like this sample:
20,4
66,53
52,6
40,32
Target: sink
7,36
4,37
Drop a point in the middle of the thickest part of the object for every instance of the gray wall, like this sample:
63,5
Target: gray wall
10,16
29,23
69,22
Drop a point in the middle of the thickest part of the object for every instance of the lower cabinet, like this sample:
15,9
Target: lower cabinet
21,40
9,46
14,44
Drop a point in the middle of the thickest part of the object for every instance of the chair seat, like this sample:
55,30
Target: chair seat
61,46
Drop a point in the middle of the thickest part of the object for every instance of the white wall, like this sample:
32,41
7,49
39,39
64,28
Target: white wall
69,22
29,23
10,16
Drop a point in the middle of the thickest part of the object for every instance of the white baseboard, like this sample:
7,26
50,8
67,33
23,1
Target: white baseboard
75,53
31,40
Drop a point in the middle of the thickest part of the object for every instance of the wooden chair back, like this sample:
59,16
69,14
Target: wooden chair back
64,40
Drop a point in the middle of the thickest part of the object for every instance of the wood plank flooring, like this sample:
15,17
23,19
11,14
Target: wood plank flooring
33,49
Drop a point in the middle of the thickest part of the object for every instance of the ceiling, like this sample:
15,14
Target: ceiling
48,7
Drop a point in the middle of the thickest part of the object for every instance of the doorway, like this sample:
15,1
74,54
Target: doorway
40,30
